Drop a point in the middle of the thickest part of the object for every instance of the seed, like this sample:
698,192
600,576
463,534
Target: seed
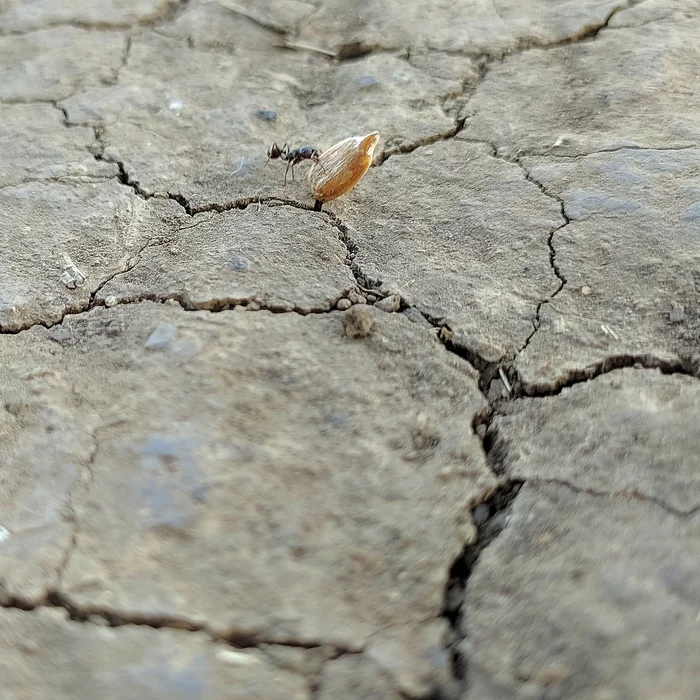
342,166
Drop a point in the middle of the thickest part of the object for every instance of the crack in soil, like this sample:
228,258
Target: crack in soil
484,61
212,305
343,231
685,365
490,517
54,598
615,149
552,250
490,514
121,67
241,12
219,304
629,494
86,478
497,449
405,148
460,122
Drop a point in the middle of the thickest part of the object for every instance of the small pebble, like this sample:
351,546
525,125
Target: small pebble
343,304
388,289
356,298
415,316
63,335
237,658
389,304
585,291
371,299
677,313
161,337
367,81
111,301
98,620
240,264
551,674
14,407
266,115
253,306
28,646
358,322
481,514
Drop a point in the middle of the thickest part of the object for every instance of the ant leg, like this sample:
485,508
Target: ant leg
289,162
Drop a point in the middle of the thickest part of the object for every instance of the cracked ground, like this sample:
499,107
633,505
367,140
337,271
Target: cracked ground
439,441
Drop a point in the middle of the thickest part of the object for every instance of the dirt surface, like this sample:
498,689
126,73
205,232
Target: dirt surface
439,441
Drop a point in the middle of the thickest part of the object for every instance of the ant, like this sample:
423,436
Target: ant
293,157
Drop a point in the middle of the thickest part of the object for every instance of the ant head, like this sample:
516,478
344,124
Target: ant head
275,151
308,152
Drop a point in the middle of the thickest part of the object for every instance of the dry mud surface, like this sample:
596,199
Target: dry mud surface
439,441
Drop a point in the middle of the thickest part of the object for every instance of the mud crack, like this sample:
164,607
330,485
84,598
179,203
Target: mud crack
552,250
685,365
105,616
628,494
490,517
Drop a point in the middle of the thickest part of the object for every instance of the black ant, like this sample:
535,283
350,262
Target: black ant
293,157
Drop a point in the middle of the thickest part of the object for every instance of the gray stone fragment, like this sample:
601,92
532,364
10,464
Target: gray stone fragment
366,81
161,337
389,304
343,304
240,264
481,514
63,335
72,275
677,312
266,115
585,597
356,298
307,662
415,316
